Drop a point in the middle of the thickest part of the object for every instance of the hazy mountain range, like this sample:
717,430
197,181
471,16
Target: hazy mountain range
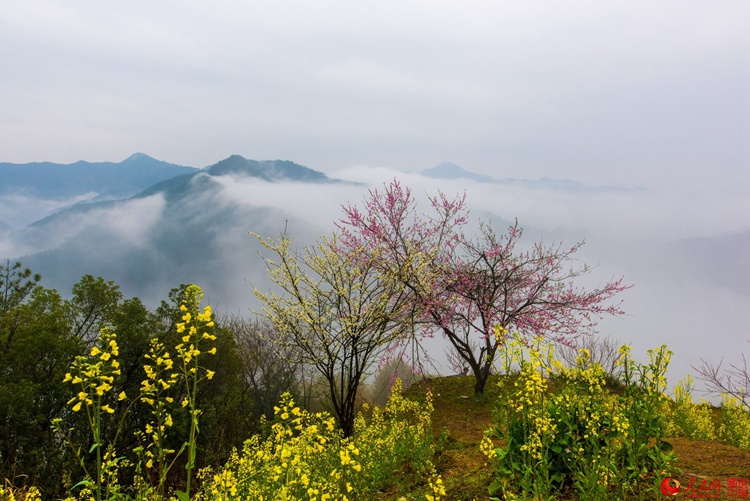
149,226
448,170
46,180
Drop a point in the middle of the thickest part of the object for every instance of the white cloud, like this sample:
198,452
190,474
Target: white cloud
127,221
18,210
319,204
659,214
132,220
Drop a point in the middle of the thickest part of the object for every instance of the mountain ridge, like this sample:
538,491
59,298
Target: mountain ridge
271,171
267,170
54,181
451,171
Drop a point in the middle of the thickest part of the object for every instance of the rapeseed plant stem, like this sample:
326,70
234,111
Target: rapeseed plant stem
194,326
94,376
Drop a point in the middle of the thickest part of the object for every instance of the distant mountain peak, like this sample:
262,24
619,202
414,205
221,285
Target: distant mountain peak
135,157
268,170
449,170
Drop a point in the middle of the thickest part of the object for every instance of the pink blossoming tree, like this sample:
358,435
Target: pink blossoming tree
466,287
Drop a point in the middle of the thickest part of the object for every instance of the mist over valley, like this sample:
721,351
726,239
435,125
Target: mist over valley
150,226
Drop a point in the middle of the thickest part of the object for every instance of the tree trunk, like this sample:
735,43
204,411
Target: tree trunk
481,377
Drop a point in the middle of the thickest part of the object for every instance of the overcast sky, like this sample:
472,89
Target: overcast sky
636,93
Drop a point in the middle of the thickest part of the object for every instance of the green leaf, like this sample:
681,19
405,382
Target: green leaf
665,446
85,483
496,486
182,496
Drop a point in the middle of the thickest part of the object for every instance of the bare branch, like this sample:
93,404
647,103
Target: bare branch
734,381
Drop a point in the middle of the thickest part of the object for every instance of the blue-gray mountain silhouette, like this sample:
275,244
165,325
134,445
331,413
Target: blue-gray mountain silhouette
272,171
108,180
268,170
448,170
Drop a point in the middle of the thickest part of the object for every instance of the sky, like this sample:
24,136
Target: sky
636,93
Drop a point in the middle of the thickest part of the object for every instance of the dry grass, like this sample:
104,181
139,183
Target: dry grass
460,419
710,461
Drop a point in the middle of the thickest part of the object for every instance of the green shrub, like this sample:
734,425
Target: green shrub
306,457
567,432
734,427
689,419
